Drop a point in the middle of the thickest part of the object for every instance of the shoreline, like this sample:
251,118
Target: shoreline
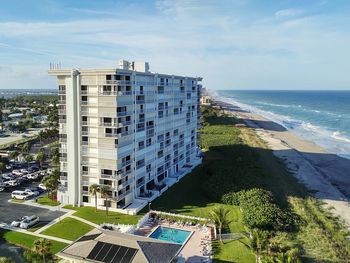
312,165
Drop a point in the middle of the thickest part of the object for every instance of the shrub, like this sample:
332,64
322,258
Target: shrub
259,210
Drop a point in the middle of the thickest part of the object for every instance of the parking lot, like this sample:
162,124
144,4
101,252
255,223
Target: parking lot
11,211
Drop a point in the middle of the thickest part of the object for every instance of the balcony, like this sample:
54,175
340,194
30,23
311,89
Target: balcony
84,103
140,184
61,92
116,135
119,82
61,102
108,176
122,195
63,178
140,101
62,121
123,113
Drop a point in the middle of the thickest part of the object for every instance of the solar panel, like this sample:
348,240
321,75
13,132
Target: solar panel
103,252
118,257
109,253
95,250
129,255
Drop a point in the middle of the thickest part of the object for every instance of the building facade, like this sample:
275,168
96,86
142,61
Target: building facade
125,128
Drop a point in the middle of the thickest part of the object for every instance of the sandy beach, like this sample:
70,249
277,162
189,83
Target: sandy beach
325,173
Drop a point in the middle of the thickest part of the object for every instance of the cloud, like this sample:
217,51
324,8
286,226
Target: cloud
287,13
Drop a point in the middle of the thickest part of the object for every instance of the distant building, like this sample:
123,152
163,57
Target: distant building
205,98
128,129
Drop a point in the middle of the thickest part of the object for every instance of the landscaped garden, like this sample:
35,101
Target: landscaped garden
68,228
100,217
241,174
45,200
27,241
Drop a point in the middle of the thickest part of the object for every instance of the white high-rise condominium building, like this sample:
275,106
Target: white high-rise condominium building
126,128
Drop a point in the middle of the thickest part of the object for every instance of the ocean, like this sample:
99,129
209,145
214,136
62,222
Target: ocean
319,116
9,93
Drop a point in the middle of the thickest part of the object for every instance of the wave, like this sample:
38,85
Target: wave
336,142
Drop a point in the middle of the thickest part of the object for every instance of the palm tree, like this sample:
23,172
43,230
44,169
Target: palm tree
51,182
219,216
40,157
104,191
26,147
93,190
257,243
14,155
28,159
42,248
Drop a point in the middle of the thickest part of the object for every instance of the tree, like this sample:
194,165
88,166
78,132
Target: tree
28,159
257,243
26,147
6,260
104,191
93,190
2,167
42,248
51,182
219,216
40,157
14,155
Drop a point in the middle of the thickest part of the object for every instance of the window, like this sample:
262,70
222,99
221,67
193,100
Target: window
85,188
85,199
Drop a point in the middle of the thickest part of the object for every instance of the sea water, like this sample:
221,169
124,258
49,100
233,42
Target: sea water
319,116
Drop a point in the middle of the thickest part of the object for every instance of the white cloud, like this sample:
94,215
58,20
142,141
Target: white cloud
287,13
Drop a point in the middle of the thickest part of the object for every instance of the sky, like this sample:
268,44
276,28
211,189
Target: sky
232,44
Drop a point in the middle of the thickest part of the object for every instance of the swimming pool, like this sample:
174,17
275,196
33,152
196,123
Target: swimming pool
170,234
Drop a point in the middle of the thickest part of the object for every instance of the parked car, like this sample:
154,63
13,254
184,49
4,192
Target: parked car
33,176
12,183
17,173
9,166
32,192
42,186
24,171
38,189
18,221
29,222
20,195
7,176
2,188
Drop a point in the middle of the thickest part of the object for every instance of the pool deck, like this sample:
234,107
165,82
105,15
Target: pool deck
193,250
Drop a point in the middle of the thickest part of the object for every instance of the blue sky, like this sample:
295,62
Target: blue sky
232,44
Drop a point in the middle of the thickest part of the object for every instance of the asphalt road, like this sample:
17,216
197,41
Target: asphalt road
11,211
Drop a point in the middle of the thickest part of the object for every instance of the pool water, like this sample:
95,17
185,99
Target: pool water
170,234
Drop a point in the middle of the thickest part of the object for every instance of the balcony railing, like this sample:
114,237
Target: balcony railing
122,195
117,135
63,178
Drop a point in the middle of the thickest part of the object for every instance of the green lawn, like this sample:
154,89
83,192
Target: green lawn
37,226
100,217
45,200
26,241
68,228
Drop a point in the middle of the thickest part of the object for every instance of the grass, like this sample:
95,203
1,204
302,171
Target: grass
100,217
68,228
235,158
45,200
26,241
36,227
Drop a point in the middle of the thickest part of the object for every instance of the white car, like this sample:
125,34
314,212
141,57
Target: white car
2,189
42,186
20,195
33,176
7,176
17,173
31,192
24,171
17,222
29,222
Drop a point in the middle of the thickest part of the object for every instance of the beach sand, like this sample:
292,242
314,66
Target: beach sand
326,174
